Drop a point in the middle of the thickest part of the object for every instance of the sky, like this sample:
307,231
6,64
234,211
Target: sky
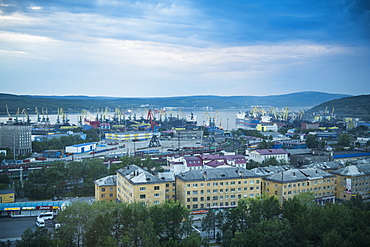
184,47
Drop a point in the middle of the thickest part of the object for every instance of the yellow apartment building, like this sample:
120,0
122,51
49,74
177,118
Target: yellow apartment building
137,185
216,188
7,195
106,188
288,183
351,181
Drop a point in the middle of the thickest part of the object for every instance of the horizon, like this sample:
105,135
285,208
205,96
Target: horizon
172,48
208,95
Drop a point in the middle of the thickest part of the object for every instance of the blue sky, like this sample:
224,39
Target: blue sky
177,48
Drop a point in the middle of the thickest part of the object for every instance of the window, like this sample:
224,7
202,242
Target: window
195,199
252,181
188,185
232,189
142,196
111,189
156,187
156,202
208,184
208,191
188,192
232,196
232,182
167,185
167,197
208,198
221,197
195,192
195,185
215,190
215,184
221,183
202,184
257,181
239,182
156,195
251,188
103,195
202,191
195,206
188,199
215,198
202,198
110,195
245,182
103,189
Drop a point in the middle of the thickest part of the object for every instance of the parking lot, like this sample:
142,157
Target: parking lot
13,228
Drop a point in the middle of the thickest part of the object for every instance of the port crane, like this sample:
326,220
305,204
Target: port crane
154,141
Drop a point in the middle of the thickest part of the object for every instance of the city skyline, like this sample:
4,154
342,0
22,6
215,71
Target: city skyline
181,48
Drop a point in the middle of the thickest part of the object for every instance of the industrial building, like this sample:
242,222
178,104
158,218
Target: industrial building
80,148
129,136
16,137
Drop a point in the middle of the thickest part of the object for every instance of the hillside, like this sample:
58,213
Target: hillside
77,103
355,106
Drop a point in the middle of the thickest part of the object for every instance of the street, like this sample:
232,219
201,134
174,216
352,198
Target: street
13,228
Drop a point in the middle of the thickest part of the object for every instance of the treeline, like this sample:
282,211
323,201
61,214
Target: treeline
92,135
75,178
254,222
111,224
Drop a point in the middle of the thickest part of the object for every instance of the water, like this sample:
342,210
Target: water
224,118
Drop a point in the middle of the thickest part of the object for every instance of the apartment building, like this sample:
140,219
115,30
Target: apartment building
286,184
352,180
106,188
137,185
216,188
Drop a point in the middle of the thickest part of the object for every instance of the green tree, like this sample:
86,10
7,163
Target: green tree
41,237
311,141
344,140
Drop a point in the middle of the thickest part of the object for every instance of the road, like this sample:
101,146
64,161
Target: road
13,228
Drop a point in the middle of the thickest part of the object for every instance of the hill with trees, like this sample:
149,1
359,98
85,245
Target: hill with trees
355,106
77,103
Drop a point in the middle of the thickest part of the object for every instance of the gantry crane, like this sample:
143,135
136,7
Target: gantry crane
154,141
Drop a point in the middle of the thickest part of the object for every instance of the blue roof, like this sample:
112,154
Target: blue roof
6,191
32,204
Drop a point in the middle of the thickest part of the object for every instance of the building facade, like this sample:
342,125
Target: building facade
351,181
106,188
259,155
216,188
7,195
287,184
137,185
16,137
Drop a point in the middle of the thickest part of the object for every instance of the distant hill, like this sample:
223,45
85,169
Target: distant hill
355,106
77,103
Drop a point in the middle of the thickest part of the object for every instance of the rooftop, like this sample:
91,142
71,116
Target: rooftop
106,181
216,174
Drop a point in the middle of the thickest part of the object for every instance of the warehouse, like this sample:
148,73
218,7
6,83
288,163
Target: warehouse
80,148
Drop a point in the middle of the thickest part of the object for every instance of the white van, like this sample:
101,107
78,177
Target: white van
40,222
46,216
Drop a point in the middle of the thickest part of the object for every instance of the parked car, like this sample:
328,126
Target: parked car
46,216
40,222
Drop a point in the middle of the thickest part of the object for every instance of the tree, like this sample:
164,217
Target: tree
272,161
209,223
311,141
344,140
171,220
41,237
